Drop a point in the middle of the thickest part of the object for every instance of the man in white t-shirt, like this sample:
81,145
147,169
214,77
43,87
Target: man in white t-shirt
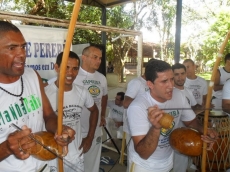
196,84
180,161
96,84
24,103
135,86
150,150
226,97
75,98
222,75
115,118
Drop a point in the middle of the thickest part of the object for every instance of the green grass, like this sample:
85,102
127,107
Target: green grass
206,76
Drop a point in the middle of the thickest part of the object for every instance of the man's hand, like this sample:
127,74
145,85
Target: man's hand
210,138
86,144
118,124
103,121
65,138
18,142
154,116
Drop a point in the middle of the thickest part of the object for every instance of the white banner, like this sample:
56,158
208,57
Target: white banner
43,46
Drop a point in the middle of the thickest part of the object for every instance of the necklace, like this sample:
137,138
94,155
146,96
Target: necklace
19,95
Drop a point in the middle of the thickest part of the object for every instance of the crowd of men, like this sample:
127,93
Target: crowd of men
28,103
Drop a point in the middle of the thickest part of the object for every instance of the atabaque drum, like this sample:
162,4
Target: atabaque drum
186,141
218,159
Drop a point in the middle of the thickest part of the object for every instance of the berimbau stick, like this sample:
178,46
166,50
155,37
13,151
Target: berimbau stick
65,57
208,99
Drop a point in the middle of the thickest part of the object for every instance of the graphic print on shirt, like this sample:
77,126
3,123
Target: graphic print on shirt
20,112
117,112
71,115
196,94
166,132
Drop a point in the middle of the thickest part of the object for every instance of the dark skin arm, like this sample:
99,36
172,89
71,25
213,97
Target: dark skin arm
11,145
103,109
217,85
198,109
126,102
87,142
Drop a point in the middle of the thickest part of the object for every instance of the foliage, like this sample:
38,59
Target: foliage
215,37
117,50
92,15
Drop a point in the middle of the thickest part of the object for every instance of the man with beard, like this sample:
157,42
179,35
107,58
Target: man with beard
150,150
180,161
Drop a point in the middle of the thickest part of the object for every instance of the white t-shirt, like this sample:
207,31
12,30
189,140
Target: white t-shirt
115,112
29,113
115,115
96,84
199,88
74,101
162,158
189,96
226,90
135,86
224,76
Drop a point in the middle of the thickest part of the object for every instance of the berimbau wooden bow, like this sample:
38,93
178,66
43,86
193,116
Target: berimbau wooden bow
208,99
65,57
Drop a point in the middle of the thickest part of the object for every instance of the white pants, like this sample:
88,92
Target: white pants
128,140
92,157
136,168
180,162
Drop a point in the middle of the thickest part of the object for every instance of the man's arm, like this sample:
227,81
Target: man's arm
49,115
204,99
226,105
103,109
195,124
217,85
127,101
197,109
86,142
145,145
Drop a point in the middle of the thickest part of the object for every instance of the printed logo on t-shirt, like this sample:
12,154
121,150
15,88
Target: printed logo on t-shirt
117,112
166,132
94,90
53,169
174,113
71,114
196,94
19,111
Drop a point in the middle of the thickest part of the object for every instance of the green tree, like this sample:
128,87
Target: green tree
215,37
117,50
